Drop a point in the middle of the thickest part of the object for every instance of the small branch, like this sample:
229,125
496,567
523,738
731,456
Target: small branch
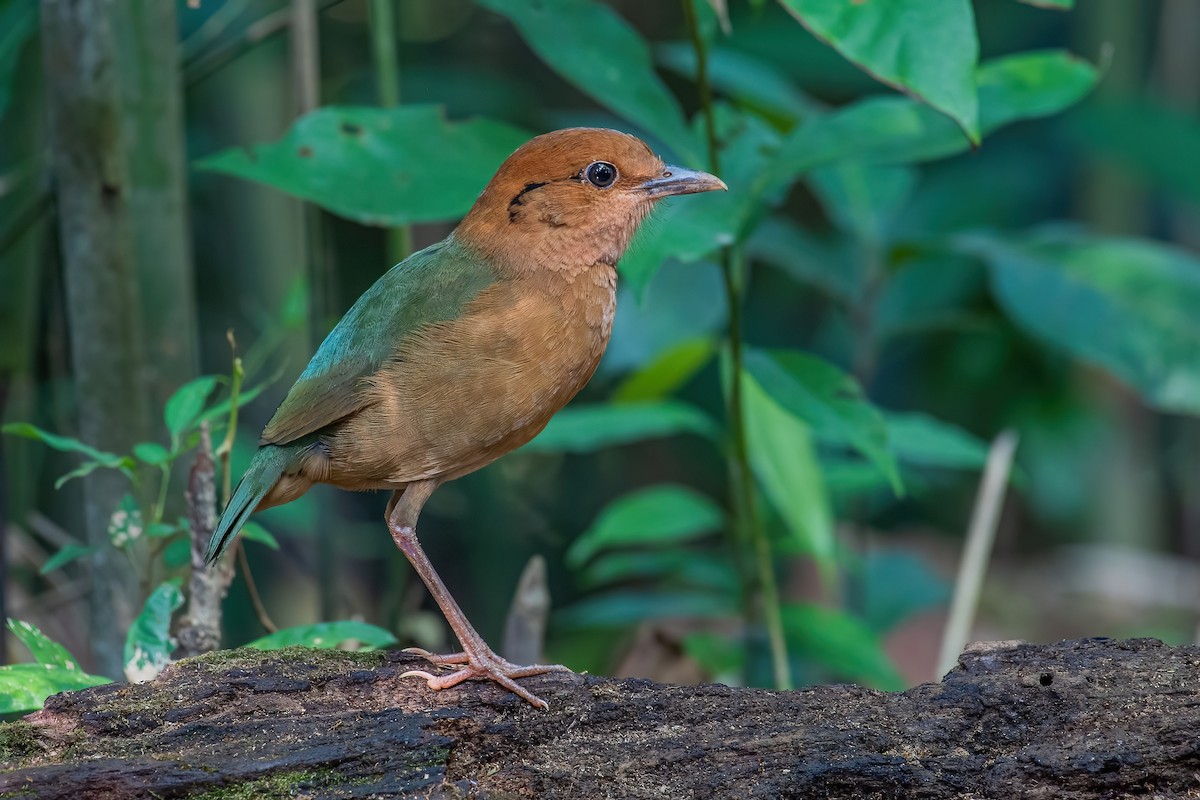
201,631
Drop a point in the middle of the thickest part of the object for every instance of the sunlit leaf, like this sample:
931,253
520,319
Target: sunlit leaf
185,405
148,645
1126,305
840,643
65,555
98,458
151,453
829,400
590,46
586,428
618,609
785,463
44,650
649,517
379,166
674,367
327,635
922,440
25,687
927,48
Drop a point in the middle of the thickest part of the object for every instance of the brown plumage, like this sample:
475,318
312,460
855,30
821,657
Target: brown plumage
465,350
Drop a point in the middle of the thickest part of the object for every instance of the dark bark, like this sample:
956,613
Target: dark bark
1083,719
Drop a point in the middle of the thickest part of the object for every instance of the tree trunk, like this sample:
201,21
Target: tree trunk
1083,719
93,193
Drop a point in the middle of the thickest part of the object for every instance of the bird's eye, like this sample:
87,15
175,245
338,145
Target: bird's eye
601,174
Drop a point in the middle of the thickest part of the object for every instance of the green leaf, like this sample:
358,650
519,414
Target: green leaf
161,530
928,442
897,584
18,20
98,458
591,47
125,524
697,226
184,407
1125,305
253,532
587,428
151,453
829,400
863,199
785,463
674,566
898,130
44,650
670,370
379,166
65,555
723,658
827,265
1146,138
1057,5
927,48
25,687
619,609
327,635
178,553
219,411
148,645
648,517
841,643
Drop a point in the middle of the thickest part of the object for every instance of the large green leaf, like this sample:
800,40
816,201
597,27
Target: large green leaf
43,649
1145,137
655,516
841,643
927,48
327,635
785,463
591,47
670,370
184,406
829,400
149,644
379,166
924,441
25,687
587,428
899,130
1127,305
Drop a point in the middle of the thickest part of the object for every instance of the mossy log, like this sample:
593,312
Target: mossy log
1079,719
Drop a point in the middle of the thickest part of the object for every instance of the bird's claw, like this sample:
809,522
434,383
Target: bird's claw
487,666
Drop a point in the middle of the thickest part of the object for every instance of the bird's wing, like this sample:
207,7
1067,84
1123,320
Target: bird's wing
430,286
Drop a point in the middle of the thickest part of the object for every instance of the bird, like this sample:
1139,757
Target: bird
463,352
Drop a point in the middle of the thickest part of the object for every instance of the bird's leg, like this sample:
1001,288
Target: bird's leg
478,660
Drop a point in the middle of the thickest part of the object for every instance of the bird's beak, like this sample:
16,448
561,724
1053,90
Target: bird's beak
677,180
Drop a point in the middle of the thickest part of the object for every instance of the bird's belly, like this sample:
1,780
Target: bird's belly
464,393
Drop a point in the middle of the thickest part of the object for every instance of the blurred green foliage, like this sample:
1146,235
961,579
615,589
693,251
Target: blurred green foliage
905,245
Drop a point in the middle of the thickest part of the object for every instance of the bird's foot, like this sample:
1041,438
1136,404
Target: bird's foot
482,666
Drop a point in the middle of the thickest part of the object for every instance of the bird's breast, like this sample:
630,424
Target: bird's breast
459,394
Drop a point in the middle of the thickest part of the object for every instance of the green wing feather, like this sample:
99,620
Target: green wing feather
429,286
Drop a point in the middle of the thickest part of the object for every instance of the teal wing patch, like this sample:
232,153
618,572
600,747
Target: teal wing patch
430,286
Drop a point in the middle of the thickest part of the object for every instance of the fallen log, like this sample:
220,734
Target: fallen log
1080,719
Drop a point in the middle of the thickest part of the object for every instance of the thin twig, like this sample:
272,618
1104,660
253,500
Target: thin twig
980,535
260,609
741,482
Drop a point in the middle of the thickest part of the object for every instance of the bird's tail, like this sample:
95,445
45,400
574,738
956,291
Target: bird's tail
265,470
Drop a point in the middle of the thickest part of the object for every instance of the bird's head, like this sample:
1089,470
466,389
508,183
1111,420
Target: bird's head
573,198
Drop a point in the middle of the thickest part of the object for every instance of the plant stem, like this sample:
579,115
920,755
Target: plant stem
387,83
741,483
